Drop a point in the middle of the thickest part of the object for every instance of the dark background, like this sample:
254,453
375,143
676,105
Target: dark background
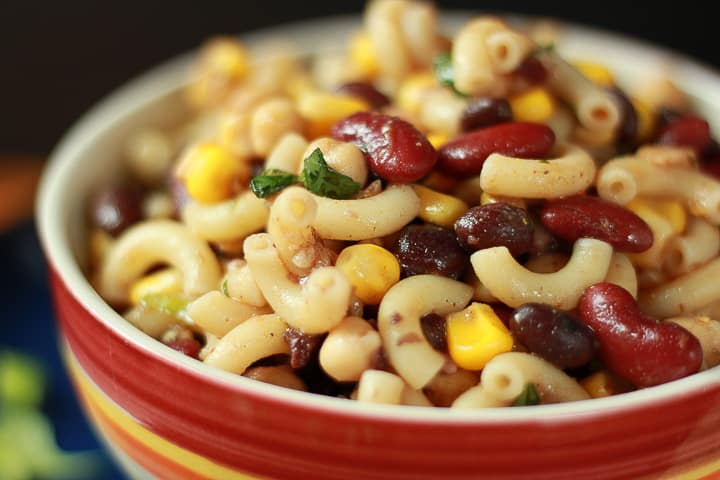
58,57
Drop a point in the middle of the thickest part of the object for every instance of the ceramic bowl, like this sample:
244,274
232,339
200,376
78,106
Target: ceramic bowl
165,415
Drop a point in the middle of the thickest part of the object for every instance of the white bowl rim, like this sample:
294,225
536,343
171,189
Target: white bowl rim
167,77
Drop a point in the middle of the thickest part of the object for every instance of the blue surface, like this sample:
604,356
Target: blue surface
27,325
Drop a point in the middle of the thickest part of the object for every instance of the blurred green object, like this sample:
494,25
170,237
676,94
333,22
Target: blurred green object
22,381
27,442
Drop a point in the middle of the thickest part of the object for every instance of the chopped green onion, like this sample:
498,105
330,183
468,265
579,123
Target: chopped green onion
174,305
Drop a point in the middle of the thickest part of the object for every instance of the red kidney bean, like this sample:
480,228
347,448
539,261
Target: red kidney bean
365,91
581,216
495,225
116,208
464,156
711,167
665,115
686,131
485,111
434,328
531,70
303,347
186,346
429,249
555,335
634,346
396,150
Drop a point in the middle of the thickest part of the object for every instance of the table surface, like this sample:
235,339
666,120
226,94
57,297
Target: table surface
27,325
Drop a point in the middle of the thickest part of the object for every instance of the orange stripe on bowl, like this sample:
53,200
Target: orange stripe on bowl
148,444
152,462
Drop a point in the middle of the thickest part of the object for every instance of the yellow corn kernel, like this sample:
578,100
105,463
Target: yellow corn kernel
163,282
437,140
601,384
226,57
534,105
598,74
322,110
211,173
412,90
223,63
299,84
439,208
475,335
646,120
363,55
672,211
486,198
371,270
440,182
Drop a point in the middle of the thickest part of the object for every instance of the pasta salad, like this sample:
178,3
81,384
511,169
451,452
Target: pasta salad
459,221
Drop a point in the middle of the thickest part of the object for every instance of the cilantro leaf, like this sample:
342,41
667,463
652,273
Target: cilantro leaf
272,181
528,396
442,66
323,180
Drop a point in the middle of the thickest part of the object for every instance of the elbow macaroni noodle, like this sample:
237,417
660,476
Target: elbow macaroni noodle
254,280
399,323
588,264
571,173
158,241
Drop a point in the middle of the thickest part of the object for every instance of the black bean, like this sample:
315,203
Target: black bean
496,225
485,111
434,328
555,335
428,249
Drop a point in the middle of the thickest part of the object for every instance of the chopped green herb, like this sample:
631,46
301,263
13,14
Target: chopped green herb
529,396
442,66
224,288
323,180
543,160
317,176
272,181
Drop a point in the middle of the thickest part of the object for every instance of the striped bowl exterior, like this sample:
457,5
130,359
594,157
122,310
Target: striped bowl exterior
175,423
